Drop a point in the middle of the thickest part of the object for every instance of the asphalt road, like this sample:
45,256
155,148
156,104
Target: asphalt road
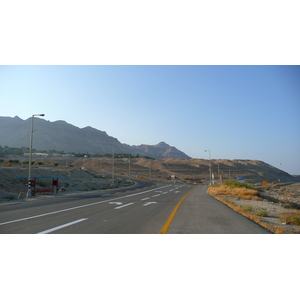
202,213
144,208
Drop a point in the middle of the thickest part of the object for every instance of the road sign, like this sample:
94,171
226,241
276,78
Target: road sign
240,179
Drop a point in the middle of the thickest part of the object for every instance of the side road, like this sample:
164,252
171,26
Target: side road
199,212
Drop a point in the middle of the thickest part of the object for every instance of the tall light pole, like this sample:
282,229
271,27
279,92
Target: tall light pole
209,165
30,156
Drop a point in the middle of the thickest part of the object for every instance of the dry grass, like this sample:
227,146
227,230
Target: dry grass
262,213
246,193
247,207
292,217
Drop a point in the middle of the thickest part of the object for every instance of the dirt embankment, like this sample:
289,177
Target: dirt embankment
14,180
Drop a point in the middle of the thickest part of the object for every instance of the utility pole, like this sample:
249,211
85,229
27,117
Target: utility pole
129,166
209,165
113,165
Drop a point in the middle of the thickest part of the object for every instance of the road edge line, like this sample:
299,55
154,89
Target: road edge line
172,215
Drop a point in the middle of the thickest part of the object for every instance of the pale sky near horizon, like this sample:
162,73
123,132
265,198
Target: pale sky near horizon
237,112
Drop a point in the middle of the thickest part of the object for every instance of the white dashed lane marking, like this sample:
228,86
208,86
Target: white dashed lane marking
123,205
61,226
145,199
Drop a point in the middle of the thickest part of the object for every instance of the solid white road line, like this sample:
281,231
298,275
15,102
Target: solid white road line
80,206
61,226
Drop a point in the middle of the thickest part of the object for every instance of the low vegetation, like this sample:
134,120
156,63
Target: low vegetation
234,188
292,218
10,197
247,207
262,213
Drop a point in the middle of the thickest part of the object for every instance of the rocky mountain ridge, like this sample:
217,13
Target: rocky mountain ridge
60,135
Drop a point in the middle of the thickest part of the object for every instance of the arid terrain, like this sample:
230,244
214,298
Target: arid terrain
85,172
280,195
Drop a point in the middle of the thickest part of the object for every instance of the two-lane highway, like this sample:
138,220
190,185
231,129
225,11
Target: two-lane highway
142,210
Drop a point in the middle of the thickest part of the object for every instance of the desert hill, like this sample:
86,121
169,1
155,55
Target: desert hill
96,173
62,136
161,150
189,170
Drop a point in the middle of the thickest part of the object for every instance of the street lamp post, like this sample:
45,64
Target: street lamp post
30,155
209,166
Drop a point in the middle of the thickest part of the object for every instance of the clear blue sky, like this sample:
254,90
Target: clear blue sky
238,112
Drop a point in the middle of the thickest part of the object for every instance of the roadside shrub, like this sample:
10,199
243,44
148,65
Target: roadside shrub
238,184
262,213
247,207
13,161
9,197
291,218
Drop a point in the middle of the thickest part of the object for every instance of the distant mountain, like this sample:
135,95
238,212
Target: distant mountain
62,136
162,150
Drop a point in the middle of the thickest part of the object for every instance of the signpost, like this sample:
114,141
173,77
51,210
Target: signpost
240,179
